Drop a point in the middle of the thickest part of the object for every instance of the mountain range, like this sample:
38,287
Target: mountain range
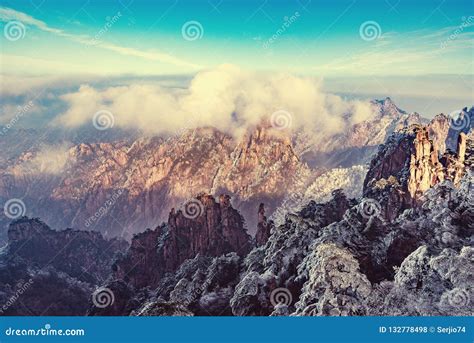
65,181
376,220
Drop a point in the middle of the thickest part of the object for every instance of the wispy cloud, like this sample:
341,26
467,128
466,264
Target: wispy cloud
8,14
377,61
48,159
416,52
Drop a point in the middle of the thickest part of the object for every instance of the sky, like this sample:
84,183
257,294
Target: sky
418,52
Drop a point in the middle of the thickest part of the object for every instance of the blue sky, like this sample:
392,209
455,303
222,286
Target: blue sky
367,42
324,39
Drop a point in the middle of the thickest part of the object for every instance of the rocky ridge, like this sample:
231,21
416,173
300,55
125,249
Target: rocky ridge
147,176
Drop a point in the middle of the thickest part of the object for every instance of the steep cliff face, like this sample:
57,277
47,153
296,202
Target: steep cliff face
212,228
438,130
259,164
409,164
202,227
426,169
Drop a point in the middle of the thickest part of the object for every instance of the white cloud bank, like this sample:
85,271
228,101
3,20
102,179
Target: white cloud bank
228,98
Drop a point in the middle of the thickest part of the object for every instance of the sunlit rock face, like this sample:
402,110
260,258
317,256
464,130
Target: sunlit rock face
135,184
410,163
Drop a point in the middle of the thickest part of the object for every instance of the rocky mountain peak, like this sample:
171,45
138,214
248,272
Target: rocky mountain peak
408,165
426,169
202,226
212,228
388,108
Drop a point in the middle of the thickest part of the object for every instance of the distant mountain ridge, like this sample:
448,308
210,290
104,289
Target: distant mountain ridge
146,177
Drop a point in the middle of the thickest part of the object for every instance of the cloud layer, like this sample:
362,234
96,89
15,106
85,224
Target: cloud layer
49,159
228,98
